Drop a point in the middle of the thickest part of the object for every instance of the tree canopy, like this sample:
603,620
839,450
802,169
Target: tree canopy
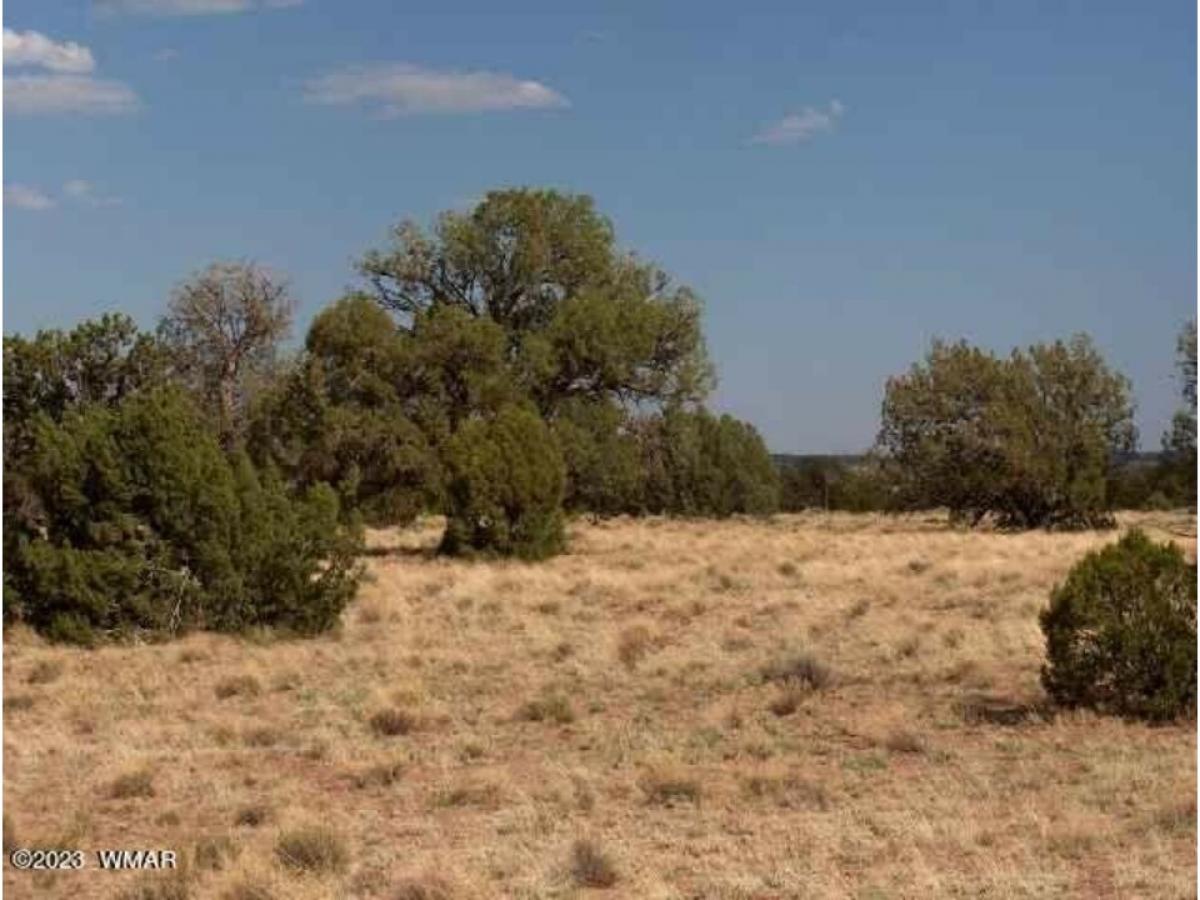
1029,439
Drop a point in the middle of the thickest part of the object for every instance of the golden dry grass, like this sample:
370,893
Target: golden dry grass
472,726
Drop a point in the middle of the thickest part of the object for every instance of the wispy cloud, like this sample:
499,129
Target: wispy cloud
63,94
85,192
189,7
31,48
67,89
802,126
76,191
22,196
398,89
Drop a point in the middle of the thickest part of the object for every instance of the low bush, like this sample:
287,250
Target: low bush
1121,632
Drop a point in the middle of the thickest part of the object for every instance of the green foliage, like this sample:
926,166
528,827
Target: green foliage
1178,470
98,362
505,487
132,518
578,317
698,464
602,458
1030,439
341,417
1121,632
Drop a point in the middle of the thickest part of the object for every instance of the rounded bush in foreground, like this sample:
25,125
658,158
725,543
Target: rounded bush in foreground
1121,632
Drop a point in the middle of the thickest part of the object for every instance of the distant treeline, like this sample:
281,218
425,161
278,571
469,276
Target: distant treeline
859,483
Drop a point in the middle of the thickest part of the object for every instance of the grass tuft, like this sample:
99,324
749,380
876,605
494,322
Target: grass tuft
314,849
591,867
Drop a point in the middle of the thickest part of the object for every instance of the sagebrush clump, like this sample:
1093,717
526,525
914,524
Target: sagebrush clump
1121,632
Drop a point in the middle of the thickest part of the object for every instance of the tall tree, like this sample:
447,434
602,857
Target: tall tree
579,317
225,324
1030,439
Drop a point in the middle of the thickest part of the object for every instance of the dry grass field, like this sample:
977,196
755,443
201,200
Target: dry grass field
812,706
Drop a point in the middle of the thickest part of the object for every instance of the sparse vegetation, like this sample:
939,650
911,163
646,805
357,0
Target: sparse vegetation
591,867
253,815
799,670
314,849
551,708
661,755
666,787
135,784
237,686
392,722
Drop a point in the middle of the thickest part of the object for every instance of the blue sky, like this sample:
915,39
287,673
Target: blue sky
840,181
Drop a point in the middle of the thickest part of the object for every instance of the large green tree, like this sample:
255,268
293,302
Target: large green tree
579,316
1029,439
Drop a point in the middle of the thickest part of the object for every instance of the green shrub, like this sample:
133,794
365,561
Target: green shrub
135,519
505,487
1121,631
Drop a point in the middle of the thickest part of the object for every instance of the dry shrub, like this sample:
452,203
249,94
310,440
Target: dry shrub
799,669
788,791
264,736
633,645
215,853
237,686
668,787
551,708
392,722
905,742
312,848
44,672
248,890
469,794
591,867
427,887
253,815
383,774
132,784
18,702
789,699
168,886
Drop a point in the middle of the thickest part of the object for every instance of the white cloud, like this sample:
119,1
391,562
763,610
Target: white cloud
190,7
799,127
56,94
31,48
400,89
22,196
81,191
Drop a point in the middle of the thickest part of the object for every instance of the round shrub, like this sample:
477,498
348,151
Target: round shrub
505,487
1121,632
